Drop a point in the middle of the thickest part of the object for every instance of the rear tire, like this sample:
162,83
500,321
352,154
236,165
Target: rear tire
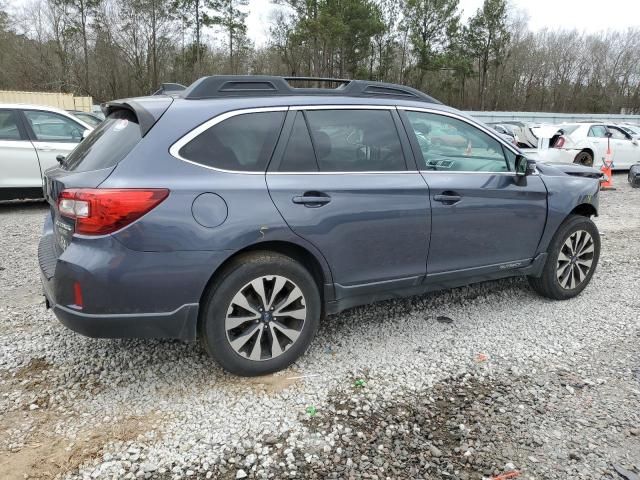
260,314
584,158
572,259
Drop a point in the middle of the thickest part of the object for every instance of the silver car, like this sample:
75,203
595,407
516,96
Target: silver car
31,137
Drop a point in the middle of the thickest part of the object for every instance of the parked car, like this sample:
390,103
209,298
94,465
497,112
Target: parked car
31,137
507,132
587,144
91,118
243,211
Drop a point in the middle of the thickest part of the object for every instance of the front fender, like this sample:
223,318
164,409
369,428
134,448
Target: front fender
566,193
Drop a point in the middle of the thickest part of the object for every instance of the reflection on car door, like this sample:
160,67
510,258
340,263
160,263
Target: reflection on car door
625,151
52,135
347,190
18,160
483,217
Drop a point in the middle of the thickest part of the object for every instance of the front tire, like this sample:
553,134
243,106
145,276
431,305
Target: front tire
260,314
572,259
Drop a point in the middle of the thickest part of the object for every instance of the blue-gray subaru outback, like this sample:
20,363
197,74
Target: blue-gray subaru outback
244,209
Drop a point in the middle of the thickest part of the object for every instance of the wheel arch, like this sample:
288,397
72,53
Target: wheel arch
585,210
587,150
316,266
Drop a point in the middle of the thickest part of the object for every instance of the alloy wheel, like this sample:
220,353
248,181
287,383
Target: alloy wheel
575,259
265,318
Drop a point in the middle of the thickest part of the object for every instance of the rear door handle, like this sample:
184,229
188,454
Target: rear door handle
447,198
312,199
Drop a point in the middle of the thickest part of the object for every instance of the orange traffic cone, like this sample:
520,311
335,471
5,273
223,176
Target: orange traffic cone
607,182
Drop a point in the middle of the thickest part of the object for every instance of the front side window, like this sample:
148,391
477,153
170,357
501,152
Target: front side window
618,134
242,143
450,144
51,127
598,131
9,125
355,140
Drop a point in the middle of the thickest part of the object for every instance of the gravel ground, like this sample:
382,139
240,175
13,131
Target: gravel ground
514,384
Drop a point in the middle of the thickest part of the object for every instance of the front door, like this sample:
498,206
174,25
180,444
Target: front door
483,217
53,134
625,150
18,160
340,180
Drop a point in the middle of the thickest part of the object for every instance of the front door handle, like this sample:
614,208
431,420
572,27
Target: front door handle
312,199
448,198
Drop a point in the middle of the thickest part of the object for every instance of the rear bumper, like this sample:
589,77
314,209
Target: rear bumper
126,294
179,324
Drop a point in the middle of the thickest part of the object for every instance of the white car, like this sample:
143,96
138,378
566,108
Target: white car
31,137
586,144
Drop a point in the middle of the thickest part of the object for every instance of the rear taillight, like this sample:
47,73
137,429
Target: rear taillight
559,142
99,211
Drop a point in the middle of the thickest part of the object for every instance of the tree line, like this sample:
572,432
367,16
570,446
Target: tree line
490,61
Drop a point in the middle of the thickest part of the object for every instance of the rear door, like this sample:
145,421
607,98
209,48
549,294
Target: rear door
18,160
52,135
340,180
483,216
597,138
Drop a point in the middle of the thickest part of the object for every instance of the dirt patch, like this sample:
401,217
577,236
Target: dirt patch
36,366
52,455
270,384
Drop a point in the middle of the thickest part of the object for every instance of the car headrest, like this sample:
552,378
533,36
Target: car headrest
322,143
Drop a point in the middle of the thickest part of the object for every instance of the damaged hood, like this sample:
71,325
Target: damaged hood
557,168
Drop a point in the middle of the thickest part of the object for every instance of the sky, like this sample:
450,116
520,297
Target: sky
584,15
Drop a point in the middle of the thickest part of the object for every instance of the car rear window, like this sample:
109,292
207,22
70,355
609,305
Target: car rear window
109,143
242,143
568,129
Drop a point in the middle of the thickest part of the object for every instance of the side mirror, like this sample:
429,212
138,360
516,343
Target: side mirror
85,133
608,134
60,159
522,166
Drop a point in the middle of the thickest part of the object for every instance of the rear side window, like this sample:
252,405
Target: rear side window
9,125
241,143
598,131
355,140
109,143
299,155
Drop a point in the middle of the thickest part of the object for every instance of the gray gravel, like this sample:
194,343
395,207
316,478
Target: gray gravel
514,383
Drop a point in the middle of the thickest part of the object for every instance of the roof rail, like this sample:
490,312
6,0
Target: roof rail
224,86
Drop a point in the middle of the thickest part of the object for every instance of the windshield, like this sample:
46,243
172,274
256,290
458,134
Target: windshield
109,143
90,119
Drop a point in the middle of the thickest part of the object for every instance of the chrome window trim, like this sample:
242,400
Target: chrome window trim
342,107
467,172
367,172
175,148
